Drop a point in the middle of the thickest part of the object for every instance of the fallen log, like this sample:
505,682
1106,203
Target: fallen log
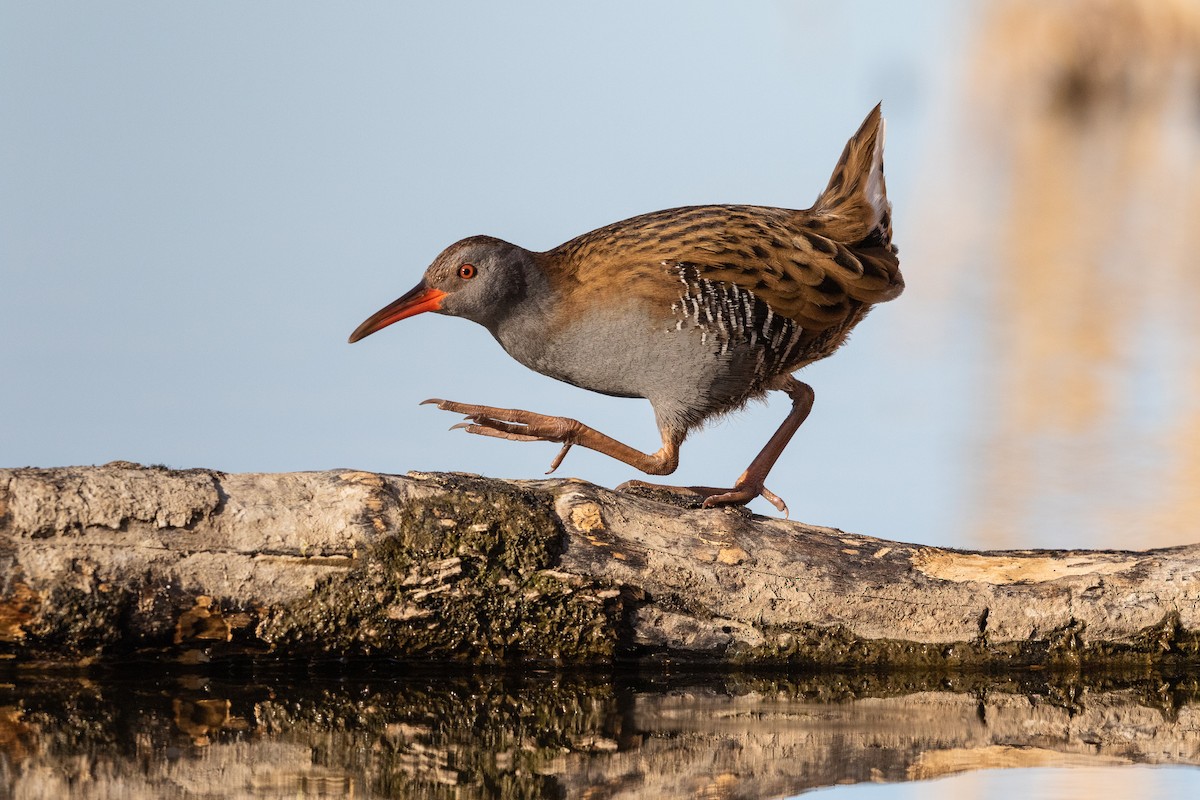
191,565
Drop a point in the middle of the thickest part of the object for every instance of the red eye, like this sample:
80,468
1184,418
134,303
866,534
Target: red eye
466,271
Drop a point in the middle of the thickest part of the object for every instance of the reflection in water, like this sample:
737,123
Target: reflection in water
1086,130
573,736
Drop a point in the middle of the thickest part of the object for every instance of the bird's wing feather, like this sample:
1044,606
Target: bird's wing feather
818,267
772,252
805,276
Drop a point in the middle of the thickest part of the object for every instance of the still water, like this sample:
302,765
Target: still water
254,731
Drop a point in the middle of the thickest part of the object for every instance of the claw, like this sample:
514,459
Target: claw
775,500
558,458
460,425
431,401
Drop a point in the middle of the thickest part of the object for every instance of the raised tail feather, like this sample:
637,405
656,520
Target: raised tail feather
854,208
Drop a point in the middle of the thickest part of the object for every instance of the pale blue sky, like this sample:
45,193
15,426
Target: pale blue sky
201,201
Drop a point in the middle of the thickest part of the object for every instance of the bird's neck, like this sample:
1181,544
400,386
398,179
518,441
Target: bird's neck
528,322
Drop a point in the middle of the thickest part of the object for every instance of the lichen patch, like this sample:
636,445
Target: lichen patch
587,518
732,556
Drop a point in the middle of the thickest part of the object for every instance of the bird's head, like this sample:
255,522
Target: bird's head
479,278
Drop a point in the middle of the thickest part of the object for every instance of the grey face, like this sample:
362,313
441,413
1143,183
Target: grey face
482,278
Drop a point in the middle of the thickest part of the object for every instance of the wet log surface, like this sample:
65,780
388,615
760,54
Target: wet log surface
125,561
564,735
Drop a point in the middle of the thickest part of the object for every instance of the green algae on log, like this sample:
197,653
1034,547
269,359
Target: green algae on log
193,565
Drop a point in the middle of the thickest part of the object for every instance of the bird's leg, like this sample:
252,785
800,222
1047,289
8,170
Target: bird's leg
526,426
750,484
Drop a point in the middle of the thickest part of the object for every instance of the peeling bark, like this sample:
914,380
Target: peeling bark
192,565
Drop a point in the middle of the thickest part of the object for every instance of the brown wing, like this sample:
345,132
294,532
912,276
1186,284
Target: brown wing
801,274
817,267
805,276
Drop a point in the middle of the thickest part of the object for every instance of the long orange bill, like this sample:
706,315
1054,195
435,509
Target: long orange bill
422,298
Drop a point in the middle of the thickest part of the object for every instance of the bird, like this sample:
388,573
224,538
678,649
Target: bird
697,309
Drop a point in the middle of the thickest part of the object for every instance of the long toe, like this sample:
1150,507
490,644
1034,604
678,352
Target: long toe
481,413
741,495
734,497
480,430
467,409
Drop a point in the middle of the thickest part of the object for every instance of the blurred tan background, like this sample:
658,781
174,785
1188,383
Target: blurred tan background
1068,228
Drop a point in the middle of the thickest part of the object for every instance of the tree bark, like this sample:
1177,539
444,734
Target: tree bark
191,565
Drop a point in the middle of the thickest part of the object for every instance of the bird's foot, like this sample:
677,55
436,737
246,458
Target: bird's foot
515,425
739,495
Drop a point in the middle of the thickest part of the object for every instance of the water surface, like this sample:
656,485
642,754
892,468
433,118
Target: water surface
258,732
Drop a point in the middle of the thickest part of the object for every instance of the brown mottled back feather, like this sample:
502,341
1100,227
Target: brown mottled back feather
820,267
